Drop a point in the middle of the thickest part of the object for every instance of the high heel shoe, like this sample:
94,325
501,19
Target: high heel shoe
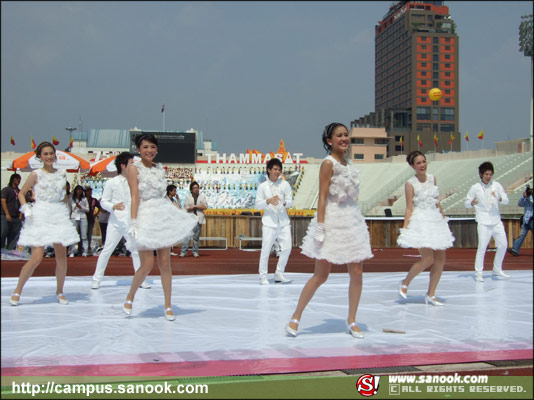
355,334
432,300
62,299
291,331
14,302
127,311
169,317
401,293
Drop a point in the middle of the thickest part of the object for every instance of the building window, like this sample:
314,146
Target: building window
435,84
435,57
447,91
423,73
398,148
447,56
435,40
423,56
447,74
435,127
423,82
379,156
447,48
356,140
381,141
447,114
358,156
434,75
435,66
435,49
447,101
447,127
423,65
423,91
447,65
435,114
423,113
423,47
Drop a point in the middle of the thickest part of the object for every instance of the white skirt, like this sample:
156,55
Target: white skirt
160,225
427,229
49,223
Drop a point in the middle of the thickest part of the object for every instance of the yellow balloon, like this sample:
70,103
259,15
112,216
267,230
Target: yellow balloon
434,94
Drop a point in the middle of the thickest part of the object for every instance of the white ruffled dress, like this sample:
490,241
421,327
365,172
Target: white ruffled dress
346,233
50,220
159,223
427,227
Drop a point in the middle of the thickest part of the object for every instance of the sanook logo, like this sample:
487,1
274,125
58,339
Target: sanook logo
367,385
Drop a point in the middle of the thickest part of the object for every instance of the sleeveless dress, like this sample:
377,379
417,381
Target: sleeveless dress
159,223
50,220
346,233
427,227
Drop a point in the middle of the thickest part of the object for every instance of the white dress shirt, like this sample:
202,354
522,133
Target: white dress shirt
190,201
488,196
274,215
116,190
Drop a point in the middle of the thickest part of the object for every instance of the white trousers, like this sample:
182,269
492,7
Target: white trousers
113,237
485,232
269,235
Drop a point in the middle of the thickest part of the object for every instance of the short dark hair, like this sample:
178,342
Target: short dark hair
485,166
272,162
13,177
194,183
410,158
121,159
145,136
327,133
170,188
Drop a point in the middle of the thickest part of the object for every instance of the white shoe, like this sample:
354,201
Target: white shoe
169,317
355,334
62,299
95,284
291,331
145,285
280,278
500,273
125,310
71,255
264,280
478,277
14,302
432,300
195,255
84,254
401,293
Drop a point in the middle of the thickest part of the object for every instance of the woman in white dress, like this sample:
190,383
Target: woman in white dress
338,233
425,227
47,222
155,223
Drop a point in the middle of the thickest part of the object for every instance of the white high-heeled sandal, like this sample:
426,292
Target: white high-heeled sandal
401,293
169,317
355,334
127,311
14,302
291,331
62,300
432,300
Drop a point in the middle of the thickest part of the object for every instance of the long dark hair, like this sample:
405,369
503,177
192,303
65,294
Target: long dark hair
74,192
410,158
145,136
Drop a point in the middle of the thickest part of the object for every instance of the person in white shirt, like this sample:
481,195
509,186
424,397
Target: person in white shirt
78,207
116,199
274,197
195,204
485,196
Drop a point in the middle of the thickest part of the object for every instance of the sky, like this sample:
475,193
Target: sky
246,74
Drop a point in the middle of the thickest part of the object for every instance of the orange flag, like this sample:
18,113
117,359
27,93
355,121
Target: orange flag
12,141
435,140
481,135
401,141
466,136
451,139
419,143
55,141
71,143
34,146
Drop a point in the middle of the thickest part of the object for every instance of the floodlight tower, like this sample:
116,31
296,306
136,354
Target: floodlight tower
525,45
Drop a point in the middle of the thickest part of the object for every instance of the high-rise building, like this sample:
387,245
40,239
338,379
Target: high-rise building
416,50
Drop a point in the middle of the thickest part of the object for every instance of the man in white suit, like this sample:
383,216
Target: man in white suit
485,196
116,199
274,197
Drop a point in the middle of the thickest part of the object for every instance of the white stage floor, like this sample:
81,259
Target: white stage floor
227,324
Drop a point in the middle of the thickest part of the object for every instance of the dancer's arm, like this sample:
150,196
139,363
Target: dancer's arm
408,193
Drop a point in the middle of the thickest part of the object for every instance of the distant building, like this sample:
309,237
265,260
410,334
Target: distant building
416,49
368,144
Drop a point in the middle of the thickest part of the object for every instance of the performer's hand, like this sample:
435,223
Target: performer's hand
119,206
26,210
274,200
474,201
319,232
132,230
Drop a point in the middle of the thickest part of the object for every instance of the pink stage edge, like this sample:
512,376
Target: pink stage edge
266,366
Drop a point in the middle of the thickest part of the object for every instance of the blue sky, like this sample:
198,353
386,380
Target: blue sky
247,74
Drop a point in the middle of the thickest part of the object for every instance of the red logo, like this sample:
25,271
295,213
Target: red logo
367,385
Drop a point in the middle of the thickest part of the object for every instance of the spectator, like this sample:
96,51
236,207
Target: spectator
526,222
11,221
78,209
94,208
195,204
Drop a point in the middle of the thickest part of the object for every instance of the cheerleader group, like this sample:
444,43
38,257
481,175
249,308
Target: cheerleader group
149,222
